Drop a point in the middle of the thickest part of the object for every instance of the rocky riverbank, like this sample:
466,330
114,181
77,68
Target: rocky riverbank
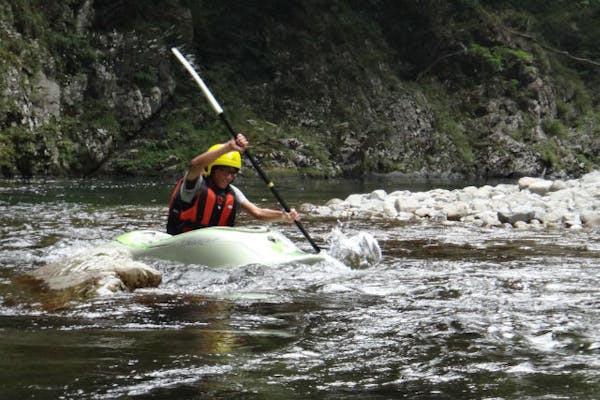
530,203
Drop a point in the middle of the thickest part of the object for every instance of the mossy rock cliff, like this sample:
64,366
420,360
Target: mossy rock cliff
323,88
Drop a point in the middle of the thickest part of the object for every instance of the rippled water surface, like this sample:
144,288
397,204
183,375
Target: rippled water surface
451,312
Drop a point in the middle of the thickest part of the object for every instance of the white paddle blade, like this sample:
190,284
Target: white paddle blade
211,99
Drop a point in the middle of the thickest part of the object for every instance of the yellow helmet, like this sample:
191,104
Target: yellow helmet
231,159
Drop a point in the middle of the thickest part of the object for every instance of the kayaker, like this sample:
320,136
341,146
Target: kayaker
206,197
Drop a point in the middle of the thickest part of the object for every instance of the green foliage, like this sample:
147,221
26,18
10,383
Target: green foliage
587,162
28,18
76,51
555,128
145,78
17,151
574,103
446,123
513,55
498,58
457,135
7,154
570,26
179,137
97,114
550,152
125,14
57,135
489,58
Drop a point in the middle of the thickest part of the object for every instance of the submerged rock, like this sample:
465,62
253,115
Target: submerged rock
531,203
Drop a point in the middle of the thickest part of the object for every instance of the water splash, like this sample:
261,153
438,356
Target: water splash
358,251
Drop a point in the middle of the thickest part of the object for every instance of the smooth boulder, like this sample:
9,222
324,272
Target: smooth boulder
98,272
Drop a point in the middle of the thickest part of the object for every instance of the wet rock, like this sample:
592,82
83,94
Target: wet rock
591,179
540,187
423,212
456,211
355,200
377,195
558,185
389,209
517,215
99,272
525,182
406,204
489,218
522,225
591,218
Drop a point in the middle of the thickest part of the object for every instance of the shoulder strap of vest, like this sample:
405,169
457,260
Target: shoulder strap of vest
206,204
228,210
175,193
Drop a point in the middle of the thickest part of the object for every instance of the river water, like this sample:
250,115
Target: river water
451,312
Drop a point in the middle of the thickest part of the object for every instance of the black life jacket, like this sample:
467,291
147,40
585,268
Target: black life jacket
207,208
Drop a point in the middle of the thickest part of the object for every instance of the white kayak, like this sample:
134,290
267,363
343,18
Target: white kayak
216,246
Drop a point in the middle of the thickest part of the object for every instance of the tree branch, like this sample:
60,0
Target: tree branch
552,49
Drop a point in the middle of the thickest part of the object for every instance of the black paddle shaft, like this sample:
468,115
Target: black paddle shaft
269,183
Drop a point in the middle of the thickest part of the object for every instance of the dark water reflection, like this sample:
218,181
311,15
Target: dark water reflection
452,312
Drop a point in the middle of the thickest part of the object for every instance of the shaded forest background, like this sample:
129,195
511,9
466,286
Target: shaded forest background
323,88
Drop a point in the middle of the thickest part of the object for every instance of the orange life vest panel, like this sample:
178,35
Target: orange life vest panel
207,208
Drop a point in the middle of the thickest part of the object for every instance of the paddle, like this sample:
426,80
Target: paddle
215,105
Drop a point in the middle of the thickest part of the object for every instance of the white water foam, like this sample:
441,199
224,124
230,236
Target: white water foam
358,251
